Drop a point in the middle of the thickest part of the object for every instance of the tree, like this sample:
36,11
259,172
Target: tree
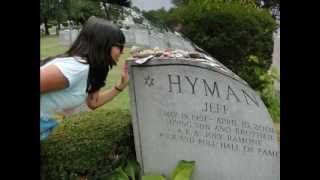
268,3
272,5
107,4
49,10
240,35
136,8
44,15
58,11
81,10
232,32
61,14
179,2
158,18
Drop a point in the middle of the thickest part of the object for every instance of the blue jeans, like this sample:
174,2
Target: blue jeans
46,127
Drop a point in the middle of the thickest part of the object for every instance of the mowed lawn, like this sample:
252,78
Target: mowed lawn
49,46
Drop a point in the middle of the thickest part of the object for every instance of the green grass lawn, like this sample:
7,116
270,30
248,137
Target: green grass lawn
50,47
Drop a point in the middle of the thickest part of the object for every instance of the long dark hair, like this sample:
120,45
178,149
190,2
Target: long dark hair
94,44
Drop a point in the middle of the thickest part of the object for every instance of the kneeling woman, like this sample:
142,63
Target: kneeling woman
76,77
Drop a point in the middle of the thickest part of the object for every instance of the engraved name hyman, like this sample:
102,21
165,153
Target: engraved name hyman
200,86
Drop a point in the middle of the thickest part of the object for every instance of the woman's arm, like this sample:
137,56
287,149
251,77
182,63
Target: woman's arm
51,79
97,99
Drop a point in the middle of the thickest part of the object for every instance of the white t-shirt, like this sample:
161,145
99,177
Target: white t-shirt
57,102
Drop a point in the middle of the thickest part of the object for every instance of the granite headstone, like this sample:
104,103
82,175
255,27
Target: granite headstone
191,109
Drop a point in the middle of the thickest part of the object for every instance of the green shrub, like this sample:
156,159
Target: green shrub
263,83
229,31
272,101
132,171
256,76
88,144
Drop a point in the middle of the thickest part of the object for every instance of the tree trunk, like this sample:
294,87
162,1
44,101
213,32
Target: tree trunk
58,27
106,11
47,33
82,21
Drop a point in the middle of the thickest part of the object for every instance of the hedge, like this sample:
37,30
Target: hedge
87,145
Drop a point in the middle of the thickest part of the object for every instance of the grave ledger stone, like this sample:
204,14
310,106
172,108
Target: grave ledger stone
184,109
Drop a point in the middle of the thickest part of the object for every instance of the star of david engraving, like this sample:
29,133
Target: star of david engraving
149,81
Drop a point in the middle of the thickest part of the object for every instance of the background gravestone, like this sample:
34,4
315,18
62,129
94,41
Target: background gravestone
130,38
65,35
174,41
157,40
276,57
141,37
187,45
193,110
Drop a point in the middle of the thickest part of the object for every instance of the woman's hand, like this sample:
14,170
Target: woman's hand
123,82
97,99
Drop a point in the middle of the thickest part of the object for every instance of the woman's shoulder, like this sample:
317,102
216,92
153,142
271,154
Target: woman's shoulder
70,65
72,62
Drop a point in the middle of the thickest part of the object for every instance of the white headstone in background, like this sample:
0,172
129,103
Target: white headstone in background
157,40
139,36
66,38
175,41
188,46
130,37
276,56
142,37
